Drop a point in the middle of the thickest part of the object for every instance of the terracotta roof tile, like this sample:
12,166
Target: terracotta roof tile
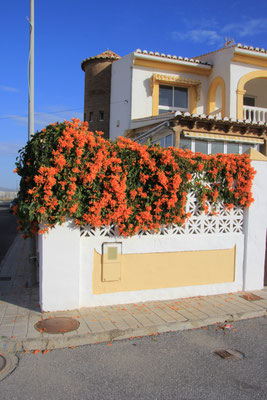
240,46
174,57
211,118
108,55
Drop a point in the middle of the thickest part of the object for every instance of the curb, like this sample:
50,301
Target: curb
11,363
46,343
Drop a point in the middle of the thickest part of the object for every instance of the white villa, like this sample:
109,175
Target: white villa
216,102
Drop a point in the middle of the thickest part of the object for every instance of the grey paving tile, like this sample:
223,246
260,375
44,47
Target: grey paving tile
6,330
93,325
131,321
226,307
141,313
120,323
20,330
204,307
8,320
164,313
244,304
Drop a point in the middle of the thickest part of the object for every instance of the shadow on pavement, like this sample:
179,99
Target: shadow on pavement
14,275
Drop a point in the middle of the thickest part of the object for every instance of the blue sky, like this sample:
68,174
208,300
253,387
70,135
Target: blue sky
67,31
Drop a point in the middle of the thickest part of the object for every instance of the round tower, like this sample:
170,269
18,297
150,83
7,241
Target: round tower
97,90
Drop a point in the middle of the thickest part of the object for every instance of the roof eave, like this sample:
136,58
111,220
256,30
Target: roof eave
171,60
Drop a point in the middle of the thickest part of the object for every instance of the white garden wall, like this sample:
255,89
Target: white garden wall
67,254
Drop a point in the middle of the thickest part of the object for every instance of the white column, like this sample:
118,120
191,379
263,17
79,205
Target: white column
59,263
255,225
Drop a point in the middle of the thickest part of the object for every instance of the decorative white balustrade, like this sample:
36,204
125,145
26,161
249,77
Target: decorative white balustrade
217,113
255,114
226,221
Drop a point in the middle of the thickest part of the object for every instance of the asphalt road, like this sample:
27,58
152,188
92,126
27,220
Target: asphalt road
8,228
178,366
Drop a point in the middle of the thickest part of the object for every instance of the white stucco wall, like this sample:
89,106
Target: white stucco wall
120,99
59,266
66,266
255,224
220,60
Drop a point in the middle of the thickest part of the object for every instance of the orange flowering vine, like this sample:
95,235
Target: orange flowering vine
67,171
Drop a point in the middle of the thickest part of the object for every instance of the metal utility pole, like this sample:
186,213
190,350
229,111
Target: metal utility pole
32,247
31,74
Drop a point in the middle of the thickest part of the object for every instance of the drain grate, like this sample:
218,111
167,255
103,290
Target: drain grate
229,354
251,297
57,325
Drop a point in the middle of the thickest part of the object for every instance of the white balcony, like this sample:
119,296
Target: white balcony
217,113
255,114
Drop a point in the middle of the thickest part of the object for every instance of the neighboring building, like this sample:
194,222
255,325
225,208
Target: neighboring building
214,103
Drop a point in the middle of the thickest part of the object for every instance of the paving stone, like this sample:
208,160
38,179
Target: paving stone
243,304
131,321
93,326
238,306
83,327
20,330
120,324
261,303
221,305
186,313
164,314
205,307
140,313
6,330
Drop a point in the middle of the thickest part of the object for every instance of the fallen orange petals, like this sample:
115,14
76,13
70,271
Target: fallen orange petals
36,351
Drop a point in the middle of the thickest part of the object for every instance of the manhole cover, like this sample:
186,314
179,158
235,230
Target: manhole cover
57,325
229,354
251,297
2,363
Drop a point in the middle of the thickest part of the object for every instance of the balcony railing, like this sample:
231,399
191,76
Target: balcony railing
255,114
217,113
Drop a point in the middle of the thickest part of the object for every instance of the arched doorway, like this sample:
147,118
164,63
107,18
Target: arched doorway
251,97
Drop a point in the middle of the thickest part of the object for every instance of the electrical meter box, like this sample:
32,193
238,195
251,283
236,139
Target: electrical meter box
111,262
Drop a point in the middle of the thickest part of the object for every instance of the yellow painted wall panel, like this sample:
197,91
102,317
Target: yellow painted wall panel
167,270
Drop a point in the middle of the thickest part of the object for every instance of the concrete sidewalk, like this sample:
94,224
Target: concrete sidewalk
19,311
